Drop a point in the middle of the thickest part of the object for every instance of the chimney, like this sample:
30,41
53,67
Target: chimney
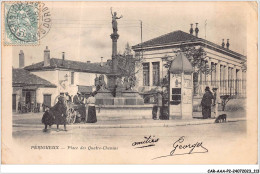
228,44
63,58
101,63
191,29
21,59
223,43
46,57
197,30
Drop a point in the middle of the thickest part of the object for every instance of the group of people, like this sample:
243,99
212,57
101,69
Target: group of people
210,99
58,113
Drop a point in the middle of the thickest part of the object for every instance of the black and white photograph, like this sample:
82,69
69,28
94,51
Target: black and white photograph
129,82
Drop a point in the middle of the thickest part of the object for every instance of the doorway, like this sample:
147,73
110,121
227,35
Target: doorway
47,100
28,97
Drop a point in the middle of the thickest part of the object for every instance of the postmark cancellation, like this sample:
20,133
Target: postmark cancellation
25,23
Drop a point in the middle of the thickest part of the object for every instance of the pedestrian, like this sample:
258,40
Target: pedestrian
216,101
68,97
78,100
59,111
157,109
47,119
206,103
92,118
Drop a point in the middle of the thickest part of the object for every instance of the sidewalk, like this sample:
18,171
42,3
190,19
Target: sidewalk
34,120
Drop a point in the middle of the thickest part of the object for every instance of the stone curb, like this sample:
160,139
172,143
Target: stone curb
184,123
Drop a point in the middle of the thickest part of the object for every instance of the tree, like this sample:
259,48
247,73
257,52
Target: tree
129,66
196,56
198,60
128,50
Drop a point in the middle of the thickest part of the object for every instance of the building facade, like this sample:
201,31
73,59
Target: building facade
29,90
227,71
68,76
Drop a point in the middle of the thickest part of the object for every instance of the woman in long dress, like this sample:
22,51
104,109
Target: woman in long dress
92,118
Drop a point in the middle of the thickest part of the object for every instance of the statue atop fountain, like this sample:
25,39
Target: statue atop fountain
114,21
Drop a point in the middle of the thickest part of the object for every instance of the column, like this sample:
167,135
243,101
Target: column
239,80
234,79
244,83
218,74
209,75
226,80
150,74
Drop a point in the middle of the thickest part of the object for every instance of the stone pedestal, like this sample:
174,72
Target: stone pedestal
126,104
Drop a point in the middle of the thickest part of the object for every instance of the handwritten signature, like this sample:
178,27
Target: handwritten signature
179,148
147,142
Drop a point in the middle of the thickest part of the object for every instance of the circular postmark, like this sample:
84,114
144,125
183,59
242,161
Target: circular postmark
29,21
45,21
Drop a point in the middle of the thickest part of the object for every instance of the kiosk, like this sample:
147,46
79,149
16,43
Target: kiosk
181,88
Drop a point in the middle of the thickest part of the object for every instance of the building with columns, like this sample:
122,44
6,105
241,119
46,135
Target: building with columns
227,71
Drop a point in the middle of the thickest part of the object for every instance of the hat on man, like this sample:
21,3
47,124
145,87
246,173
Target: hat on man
207,88
214,89
79,93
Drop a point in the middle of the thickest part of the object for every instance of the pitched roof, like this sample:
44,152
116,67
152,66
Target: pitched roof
180,37
72,65
181,64
176,36
22,77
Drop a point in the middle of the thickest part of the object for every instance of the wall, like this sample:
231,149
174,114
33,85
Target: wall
18,92
41,91
51,75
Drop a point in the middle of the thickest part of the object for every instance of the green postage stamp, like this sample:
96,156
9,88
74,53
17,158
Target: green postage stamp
23,22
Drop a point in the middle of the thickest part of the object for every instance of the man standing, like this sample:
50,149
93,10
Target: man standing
206,103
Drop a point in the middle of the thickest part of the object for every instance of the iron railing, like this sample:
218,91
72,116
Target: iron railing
225,87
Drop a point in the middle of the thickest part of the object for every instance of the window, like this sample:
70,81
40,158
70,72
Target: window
156,73
72,78
176,96
213,74
146,74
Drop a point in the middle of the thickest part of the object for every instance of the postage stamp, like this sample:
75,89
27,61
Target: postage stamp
25,23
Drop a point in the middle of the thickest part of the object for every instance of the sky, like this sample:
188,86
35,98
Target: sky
82,29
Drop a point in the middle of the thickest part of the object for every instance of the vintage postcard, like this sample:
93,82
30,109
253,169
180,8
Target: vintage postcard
129,82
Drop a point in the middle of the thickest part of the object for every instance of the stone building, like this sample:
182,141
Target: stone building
29,89
66,75
227,69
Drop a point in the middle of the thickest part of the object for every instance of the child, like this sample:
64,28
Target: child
47,119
